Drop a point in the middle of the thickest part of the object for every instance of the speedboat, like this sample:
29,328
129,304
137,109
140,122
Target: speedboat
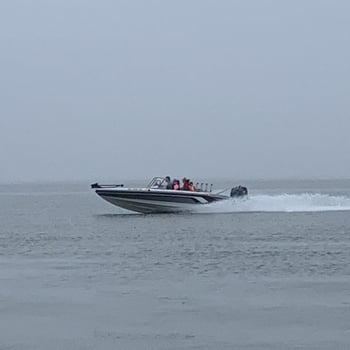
156,198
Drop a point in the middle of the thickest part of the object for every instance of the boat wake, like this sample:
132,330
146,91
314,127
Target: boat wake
305,202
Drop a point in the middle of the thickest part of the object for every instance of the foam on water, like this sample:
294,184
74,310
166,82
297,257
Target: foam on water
305,202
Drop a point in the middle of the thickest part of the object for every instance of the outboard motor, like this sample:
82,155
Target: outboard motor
239,191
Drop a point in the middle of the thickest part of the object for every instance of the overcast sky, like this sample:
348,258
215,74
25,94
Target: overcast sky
131,89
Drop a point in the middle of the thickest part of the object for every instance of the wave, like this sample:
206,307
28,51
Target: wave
305,202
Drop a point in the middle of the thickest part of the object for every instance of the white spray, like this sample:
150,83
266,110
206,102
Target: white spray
305,202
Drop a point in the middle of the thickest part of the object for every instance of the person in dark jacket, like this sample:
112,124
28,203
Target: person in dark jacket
168,184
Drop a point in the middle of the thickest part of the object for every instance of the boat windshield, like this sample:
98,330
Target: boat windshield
157,182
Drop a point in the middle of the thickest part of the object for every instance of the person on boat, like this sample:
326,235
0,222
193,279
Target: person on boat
176,184
167,183
191,186
186,183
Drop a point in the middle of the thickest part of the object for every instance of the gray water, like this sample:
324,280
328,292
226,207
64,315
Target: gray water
270,272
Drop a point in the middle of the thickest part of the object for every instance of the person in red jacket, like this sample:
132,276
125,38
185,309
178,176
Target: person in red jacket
176,184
